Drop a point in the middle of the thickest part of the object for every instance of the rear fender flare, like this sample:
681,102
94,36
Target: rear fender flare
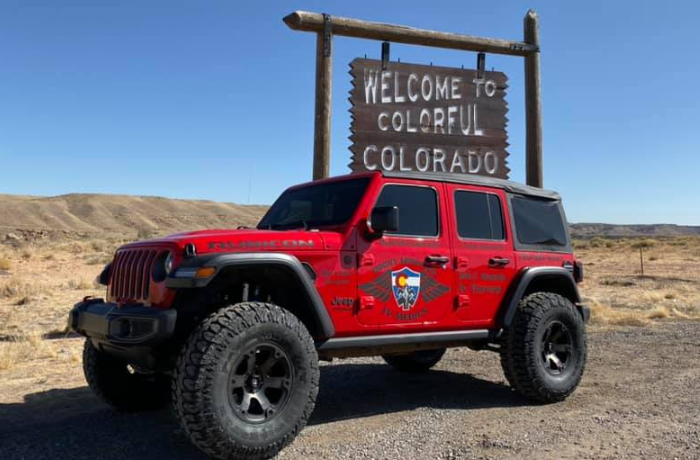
522,282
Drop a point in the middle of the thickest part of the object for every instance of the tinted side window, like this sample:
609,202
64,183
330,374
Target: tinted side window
418,214
479,216
538,222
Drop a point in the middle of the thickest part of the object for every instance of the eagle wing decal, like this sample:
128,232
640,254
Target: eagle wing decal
431,289
380,287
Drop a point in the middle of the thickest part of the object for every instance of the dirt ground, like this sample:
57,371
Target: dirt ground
639,397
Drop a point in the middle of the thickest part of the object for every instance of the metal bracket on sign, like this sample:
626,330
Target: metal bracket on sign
480,65
386,51
327,34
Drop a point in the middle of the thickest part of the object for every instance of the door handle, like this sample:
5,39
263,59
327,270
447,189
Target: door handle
498,262
437,260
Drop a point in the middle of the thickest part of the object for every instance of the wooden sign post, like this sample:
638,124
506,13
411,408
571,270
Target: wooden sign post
326,26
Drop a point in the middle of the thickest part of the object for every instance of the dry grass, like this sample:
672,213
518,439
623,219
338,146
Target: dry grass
5,263
620,295
40,289
602,314
13,287
24,348
80,285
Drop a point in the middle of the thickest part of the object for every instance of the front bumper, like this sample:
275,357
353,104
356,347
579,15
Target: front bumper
134,325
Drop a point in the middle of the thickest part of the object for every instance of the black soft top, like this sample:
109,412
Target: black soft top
470,179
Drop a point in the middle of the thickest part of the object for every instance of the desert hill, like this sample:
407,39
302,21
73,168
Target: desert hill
129,216
118,215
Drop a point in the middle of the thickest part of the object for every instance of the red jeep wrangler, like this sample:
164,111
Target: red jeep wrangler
231,324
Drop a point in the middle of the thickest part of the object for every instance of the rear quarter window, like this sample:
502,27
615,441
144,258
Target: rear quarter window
539,223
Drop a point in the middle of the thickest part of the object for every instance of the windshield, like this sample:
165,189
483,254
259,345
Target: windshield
315,205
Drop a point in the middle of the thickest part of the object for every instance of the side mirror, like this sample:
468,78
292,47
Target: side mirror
384,219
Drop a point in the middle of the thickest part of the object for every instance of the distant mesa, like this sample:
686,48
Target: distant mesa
586,230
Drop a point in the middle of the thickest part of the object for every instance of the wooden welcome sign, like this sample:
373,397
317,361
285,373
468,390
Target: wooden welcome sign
409,117
419,118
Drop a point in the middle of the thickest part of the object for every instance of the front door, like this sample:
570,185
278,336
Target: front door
483,250
405,277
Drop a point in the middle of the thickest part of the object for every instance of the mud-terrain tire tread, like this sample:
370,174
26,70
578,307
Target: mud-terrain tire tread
110,380
418,361
193,374
518,357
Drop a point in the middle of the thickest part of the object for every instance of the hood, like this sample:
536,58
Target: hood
243,240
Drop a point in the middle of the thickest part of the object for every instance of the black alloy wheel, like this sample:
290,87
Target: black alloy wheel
260,383
557,348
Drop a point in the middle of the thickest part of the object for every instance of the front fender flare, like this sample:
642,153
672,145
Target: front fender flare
521,283
178,280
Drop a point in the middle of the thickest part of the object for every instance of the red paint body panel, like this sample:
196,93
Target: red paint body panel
484,285
357,272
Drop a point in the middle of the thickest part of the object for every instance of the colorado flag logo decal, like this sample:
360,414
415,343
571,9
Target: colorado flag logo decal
405,284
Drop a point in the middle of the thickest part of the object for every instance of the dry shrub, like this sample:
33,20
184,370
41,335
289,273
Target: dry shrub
10,354
80,285
75,356
597,242
581,244
659,313
93,261
602,314
651,296
624,282
684,241
682,315
98,245
13,287
98,259
74,247
5,263
24,348
145,234
644,244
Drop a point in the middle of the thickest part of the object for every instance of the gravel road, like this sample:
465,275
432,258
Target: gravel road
640,398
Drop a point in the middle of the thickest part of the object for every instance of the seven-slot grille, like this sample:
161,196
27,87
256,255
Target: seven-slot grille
131,274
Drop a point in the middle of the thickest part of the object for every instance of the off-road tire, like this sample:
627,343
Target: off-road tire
527,359
207,371
417,361
122,388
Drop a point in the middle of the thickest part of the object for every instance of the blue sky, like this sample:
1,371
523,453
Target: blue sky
194,99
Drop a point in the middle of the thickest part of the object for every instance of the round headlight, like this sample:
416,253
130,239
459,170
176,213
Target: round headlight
168,264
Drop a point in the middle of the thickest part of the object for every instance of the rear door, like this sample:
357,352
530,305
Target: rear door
484,262
405,278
